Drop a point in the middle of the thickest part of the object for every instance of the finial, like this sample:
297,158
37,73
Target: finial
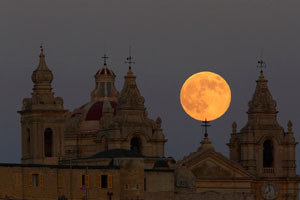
205,124
42,50
158,122
261,63
129,59
290,126
104,59
234,125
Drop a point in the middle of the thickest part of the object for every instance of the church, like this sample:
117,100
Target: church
110,149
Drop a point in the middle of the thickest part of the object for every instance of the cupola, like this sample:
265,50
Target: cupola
104,84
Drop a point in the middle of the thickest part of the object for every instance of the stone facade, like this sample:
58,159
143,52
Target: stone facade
109,149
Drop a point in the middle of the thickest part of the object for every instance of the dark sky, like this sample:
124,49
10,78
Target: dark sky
170,39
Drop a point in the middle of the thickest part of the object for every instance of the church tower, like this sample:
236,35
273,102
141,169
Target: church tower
262,146
42,120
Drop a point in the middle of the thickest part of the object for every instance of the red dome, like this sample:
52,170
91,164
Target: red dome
94,110
105,71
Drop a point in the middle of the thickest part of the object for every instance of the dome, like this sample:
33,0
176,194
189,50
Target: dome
105,72
92,111
42,75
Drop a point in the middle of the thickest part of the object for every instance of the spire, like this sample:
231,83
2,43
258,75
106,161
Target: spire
42,77
262,101
129,59
104,59
130,94
262,107
42,95
205,125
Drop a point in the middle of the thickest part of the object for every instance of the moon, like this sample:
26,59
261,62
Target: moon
205,96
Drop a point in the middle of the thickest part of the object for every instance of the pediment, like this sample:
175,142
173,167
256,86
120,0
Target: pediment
211,164
209,168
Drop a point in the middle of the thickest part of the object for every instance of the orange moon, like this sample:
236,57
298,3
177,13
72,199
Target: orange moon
205,96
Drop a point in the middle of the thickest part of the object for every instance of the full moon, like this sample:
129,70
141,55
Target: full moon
205,96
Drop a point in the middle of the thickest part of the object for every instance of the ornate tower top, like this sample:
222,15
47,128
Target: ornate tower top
104,80
262,101
262,107
130,94
42,77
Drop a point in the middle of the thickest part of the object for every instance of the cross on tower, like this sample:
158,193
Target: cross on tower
129,59
205,125
104,59
261,65
41,47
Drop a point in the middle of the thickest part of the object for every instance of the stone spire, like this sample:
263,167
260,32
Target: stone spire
130,95
42,77
262,101
42,94
262,107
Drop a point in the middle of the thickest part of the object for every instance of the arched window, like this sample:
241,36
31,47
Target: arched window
268,154
48,142
102,89
135,144
108,89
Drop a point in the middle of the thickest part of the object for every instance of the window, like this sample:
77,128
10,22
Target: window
137,186
28,141
62,198
84,181
135,144
108,89
48,142
102,89
35,180
103,181
126,187
268,155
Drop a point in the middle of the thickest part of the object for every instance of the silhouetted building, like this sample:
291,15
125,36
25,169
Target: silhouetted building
108,148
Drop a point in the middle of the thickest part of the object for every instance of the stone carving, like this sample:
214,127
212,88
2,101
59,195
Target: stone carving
184,178
158,122
208,169
130,94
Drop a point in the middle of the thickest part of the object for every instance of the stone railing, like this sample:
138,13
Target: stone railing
268,171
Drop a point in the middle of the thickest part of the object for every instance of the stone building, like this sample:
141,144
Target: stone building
110,149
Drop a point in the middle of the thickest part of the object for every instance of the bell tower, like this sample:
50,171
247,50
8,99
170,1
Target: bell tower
42,120
262,146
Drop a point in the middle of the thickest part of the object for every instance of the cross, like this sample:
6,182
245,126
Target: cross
41,47
261,65
129,59
104,58
205,124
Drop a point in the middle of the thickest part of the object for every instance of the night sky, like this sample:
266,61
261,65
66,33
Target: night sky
170,39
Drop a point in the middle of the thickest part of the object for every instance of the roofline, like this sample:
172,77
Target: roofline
59,166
